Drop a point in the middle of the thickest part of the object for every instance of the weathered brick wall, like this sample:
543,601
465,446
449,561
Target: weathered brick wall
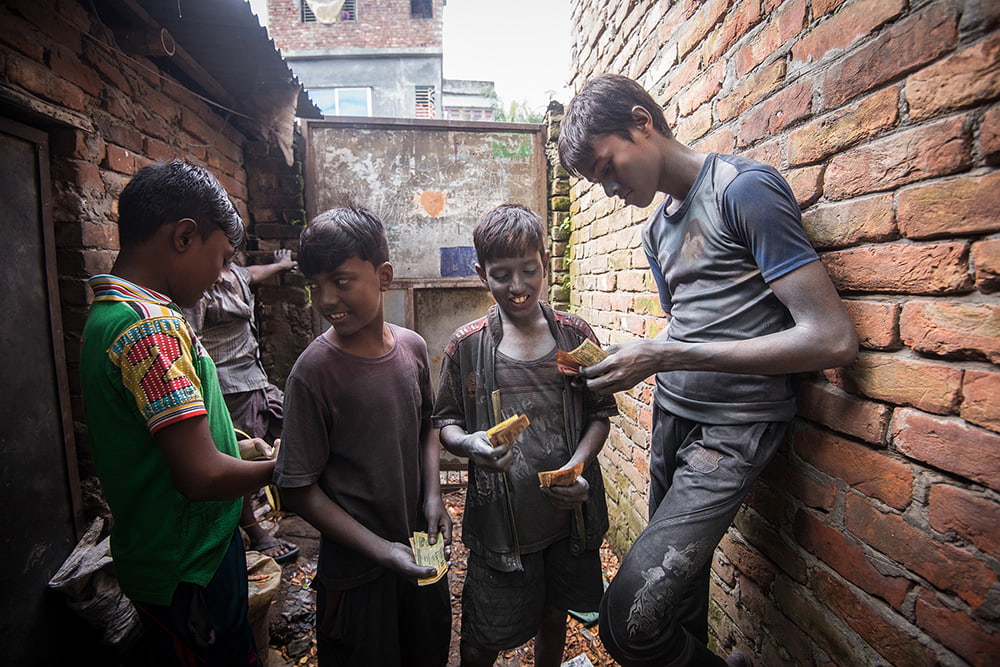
379,25
873,536
107,115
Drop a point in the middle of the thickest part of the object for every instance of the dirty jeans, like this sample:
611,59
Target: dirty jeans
655,612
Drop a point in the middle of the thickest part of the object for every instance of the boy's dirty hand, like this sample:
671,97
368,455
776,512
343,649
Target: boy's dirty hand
256,449
568,497
627,365
283,258
399,558
485,455
438,520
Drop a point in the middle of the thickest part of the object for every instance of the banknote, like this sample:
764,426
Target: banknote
586,353
564,477
508,430
429,555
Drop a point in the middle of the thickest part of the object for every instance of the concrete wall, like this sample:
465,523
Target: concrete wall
873,537
393,77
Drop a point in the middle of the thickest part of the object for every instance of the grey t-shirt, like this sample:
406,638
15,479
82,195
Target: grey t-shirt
352,425
738,229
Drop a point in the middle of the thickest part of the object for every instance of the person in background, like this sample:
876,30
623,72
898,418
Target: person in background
225,322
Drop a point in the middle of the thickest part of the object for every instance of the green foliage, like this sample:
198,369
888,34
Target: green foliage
515,112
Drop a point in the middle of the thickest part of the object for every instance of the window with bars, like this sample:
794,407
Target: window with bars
349,12
424,102
421,9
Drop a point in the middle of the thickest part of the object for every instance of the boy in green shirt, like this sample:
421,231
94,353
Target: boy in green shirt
163,443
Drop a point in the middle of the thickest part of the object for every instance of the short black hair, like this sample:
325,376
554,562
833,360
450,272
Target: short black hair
603,106
166,192
509,230
336,235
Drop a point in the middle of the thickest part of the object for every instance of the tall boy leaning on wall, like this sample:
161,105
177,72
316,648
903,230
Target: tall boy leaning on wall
749,304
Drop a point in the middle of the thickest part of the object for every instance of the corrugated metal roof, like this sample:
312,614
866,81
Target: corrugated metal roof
228,42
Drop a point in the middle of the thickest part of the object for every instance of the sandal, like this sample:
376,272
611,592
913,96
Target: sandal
291,550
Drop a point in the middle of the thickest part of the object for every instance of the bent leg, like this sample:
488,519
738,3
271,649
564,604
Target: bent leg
653,613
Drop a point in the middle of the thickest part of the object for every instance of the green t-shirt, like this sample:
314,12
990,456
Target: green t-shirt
143,369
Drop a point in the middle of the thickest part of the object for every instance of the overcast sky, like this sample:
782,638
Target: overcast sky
522,45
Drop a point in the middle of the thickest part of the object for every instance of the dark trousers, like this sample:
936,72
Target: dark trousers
205,626
655,612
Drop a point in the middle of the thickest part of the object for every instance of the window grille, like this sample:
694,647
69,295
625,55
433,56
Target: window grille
307,13
425,102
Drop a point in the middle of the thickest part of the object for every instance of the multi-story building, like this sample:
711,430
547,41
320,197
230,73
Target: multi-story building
367,57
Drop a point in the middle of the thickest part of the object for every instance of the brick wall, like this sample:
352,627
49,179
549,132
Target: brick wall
873,537
107,114
379,24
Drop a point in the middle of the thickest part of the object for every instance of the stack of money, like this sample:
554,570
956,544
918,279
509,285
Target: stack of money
508,430
429,555
565,477
586,354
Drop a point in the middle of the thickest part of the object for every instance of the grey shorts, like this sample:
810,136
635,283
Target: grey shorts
502,610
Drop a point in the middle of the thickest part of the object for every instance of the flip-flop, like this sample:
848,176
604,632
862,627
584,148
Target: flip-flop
292,549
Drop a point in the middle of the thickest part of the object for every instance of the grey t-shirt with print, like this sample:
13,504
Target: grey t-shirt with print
738,229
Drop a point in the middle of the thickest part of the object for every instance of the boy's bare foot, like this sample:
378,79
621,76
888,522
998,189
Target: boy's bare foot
738,659
279,550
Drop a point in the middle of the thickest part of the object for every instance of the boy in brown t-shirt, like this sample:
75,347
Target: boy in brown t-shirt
359,459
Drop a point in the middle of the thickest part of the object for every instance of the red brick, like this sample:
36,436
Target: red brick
981,398
852,222
119,159
855,21
765,540
778,112
957,630
932,150
721,140
844,413
768,152
692,127
963,205
930,268
780,27
20,35
905,46
989,135
41,81
873,473
876,323
845,556
844,127
694,29
680,76
986,265
807,184
99,236
748,561
890,637
739,20
68,66
899,380
965,78
946,566
753,88
701,89
802,486
812,617
823,7
972,516
108,66
966,330
949,444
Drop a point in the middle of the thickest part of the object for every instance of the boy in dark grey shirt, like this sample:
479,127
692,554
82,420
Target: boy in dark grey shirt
749,304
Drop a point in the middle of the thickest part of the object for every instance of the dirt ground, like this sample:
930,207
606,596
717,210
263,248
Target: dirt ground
292,613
